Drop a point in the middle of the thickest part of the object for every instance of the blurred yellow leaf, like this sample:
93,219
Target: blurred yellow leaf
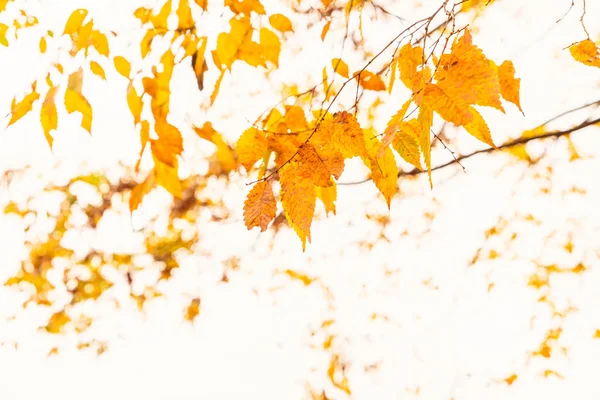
325,30
75,101
20,109
370,81
281,23
49,115
250,147
97,69
122,66
75,20
340,67
42,45
134,102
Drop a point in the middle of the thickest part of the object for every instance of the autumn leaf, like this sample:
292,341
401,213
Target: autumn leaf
184,15
271,46
478,128
97,69
347,135
20,109
42,45
281,23
510,86
245,6
340,67
320,164
139,191
192,310
250,147
49,115
408,60
260,206
305,279
328,196
122,66
384,170
75,21
167,177
202,3
298,198
425,120
100,42
199,63
160,20
393,125
586,52
370,81
75,100
146,42
225,154
325,30
135,103
168,145
406,142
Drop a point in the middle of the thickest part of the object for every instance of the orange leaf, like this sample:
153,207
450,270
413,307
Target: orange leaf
139,191
328,196
319,165
409,59
384,170
203,4
586,52
168,145
406,142
160,20
20,109
340,67
281,23
250,147
370,81
425,120
260,206
245,6
478,128
97,69
167,177
199,63
325,30
347,135
122,66
298,198
49,115
510,86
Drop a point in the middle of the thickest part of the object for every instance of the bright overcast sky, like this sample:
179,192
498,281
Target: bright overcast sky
252,338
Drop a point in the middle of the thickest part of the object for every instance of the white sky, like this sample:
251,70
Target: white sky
252,337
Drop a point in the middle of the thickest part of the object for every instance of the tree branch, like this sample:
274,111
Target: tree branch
512,143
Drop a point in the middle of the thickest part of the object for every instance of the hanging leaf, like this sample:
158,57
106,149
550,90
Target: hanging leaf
510,86
49,115
298,198
97,69
586,52
260,206
281,23
250,147
20,109
340,67
370,81
75,21
122,66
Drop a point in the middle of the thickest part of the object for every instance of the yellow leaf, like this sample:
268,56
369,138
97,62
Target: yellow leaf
97,69
347,135
340,67
75,101
42,45
328,196
425,120
199,63
298,198
49,115
168,145
160,20
370,81
100,43
325,30
299,276
510,86
184,14
393,125
466,76
319,164
586,52
75,20
143,14
144,138
250,147
406,142
213,95
122,66
478,128
167,177
20,109
192,310
453,110
135,103
245,6
384,170
409,59
139,191
3,30
271,45
225,154
260,206
146,42
203,4
281,23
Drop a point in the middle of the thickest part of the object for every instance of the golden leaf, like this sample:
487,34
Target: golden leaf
406,142
49,115
586,52
320,164
146,42
393,125
76,101
328,196
425,120
245,6
139,191
199,63
340,67
250,147
478,128
203,4
75,20
510,86
451,109
370,81
167,177
42,45
100,43
325,30
184,15
143,14
409,59
298,198
20,109
135,103
122,66
384,170
225,153
192,310
160,20
281,23
271,45
347,135
168,145
260,206
97,69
